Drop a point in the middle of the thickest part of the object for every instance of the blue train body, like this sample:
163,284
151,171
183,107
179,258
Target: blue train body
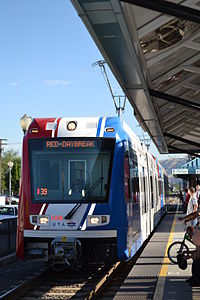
123,191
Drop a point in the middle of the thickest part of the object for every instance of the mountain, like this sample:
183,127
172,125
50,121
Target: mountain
173,163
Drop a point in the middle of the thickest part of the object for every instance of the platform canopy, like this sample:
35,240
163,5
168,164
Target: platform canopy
153,50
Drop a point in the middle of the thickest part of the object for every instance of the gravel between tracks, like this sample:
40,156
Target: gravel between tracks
15,272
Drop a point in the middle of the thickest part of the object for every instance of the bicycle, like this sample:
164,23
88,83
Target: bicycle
178,248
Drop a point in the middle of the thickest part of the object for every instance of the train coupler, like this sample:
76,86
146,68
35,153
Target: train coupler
66,251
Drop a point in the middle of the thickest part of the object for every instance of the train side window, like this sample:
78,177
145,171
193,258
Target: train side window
157,191
159,185
135,183
151,182
134,177
126,178
166,187
144,191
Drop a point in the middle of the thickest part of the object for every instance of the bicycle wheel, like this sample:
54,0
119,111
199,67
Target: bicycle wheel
175,249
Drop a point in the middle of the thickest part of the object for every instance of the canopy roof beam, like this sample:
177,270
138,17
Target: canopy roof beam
189,104
169,8
186,141
170,115
189,78
192,86
188,42
181,114
183,151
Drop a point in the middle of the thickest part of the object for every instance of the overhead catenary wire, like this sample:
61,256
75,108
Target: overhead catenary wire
119,108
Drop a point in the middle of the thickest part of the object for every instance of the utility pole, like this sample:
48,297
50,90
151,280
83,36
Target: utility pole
10,166
1,149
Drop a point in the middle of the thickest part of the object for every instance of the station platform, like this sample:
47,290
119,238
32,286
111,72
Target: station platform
154,276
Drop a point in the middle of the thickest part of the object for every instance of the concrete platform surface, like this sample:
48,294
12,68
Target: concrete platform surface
154,276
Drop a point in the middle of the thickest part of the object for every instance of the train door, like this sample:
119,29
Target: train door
157,202
162,199
132,198
166,191
151,196
154,194
144,200
160,190
148,194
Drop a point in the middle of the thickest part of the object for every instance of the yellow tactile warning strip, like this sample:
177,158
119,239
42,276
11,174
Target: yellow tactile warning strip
166,279
163,272
166,261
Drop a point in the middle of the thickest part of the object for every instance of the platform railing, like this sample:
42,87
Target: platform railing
8,231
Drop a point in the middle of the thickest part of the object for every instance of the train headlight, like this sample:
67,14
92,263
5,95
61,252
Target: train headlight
71,126
94,220
44,220
98,220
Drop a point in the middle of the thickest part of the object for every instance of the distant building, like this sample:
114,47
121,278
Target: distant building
189,172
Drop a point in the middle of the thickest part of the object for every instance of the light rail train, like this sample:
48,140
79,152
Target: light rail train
90,191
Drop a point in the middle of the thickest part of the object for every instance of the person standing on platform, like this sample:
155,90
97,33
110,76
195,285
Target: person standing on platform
198,194
185,191
194,234
186,200
192,205
181,197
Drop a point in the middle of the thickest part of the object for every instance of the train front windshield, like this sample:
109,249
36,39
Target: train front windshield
64,170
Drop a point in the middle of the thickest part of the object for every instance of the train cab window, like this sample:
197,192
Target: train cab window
77,177
63,170
48,172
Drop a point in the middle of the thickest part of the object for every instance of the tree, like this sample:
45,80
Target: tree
13,156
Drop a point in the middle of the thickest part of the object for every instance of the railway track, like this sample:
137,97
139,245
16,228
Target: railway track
87,283
79,284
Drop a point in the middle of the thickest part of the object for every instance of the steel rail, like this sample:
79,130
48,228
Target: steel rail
23,287
101,284
30,286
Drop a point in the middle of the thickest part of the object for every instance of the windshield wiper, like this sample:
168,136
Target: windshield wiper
74,209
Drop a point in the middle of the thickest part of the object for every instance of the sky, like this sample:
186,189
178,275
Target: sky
46,68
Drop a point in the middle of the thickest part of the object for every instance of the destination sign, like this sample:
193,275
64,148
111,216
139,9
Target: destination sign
70,144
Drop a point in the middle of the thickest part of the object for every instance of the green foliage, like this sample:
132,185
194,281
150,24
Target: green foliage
13,156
